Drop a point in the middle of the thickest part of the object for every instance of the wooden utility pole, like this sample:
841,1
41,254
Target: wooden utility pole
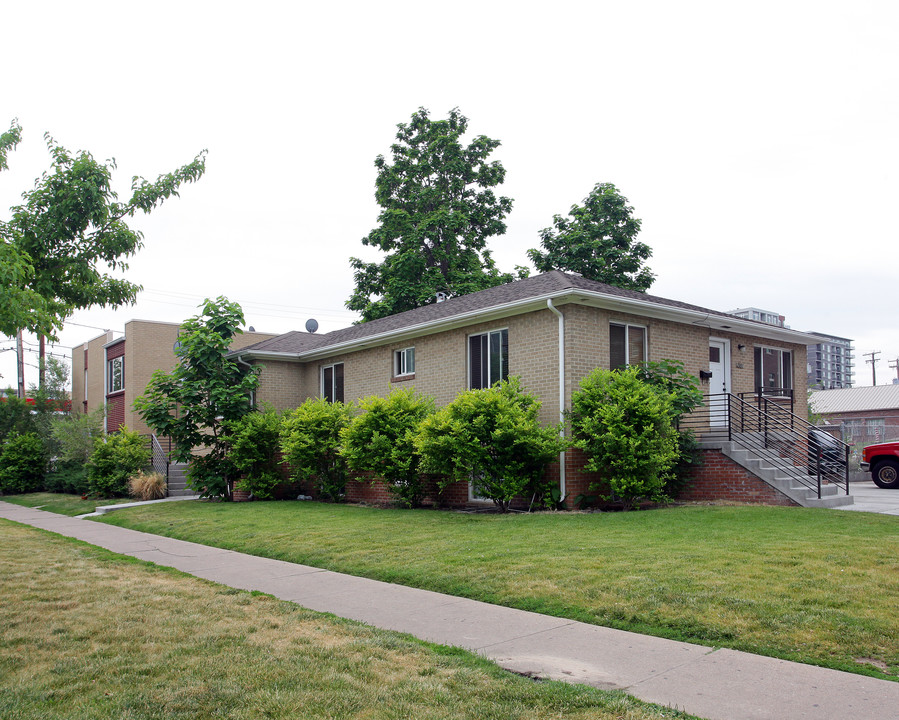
20,365
873,360
895,366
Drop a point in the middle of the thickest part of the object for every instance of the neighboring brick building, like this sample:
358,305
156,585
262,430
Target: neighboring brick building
551,330
865,415
111,372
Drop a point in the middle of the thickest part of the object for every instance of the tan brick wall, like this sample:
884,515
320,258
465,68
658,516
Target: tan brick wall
148,347
441,365
96,361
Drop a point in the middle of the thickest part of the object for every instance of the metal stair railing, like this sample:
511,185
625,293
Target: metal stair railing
808,455
158,457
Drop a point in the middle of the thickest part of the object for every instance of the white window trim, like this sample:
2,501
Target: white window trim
321,378
400,359
627,345
110,374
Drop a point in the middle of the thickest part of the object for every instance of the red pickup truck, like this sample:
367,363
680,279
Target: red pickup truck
883,462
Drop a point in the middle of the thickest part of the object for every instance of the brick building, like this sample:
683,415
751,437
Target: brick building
551,330
865,415
110,372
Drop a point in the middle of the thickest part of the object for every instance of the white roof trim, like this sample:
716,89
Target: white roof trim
646,308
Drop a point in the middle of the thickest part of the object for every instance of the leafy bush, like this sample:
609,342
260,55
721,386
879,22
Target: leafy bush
254,442
67,477
114,460
17,416
147,485
23,463
382,441
76,435
670,376
310,441
493,439
624,426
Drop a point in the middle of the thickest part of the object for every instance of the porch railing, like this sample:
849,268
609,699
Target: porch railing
808,455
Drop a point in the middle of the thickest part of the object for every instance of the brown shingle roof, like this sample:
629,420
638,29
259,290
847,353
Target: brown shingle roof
546,284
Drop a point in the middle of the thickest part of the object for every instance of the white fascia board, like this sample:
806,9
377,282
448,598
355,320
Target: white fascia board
429,328
265,355
714,322
645,308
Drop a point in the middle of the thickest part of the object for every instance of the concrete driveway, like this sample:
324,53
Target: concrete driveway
867,497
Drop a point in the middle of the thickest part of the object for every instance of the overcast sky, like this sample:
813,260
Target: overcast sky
756,141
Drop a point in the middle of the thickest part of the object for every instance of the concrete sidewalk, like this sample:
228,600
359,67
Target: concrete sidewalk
710,683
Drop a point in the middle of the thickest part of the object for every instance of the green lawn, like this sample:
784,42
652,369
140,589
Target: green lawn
71,505
817,586
89,635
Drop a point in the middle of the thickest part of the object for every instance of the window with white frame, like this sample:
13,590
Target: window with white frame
404,362
488,358
773,370
627,345
332,382
115,377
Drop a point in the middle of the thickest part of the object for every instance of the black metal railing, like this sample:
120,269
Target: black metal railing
159,457
808,455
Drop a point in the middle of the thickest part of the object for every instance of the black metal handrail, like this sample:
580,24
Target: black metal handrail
158,456
805,453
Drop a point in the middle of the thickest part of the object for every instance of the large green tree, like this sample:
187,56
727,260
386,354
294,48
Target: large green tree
207,391
61,245
20,306
438,209
597,240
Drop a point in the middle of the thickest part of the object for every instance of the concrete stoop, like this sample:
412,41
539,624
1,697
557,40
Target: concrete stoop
178,481
775,476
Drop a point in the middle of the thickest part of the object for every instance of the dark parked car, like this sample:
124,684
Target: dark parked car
832,451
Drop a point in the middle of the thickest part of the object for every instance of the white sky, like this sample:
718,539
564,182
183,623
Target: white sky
756,141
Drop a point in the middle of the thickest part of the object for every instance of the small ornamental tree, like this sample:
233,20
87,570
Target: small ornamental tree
493,439
624,427
254,442
310,442
381,441
207,390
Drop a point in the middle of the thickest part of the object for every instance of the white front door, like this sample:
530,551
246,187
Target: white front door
719,366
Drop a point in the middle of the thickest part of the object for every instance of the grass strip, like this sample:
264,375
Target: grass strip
61,504
87,634
815,586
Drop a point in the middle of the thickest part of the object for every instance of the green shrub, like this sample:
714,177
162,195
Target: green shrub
624,427
67,477
310,441
381,441
17,416
493,439
254,442
23,463
669,376
76,435
114,460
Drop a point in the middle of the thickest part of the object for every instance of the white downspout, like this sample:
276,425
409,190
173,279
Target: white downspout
552,308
